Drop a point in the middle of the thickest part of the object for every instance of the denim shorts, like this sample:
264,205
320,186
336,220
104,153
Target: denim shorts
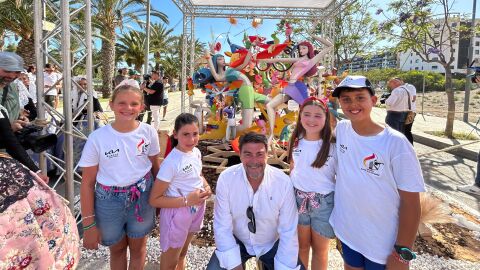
117,215
317,213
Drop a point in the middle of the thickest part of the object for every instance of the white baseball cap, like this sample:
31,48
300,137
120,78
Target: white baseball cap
11,62
355,82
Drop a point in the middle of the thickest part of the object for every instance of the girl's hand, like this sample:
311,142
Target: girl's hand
207,193
91,238
195,197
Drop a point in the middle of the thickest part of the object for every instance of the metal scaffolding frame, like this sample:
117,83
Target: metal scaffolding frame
61,34
191,11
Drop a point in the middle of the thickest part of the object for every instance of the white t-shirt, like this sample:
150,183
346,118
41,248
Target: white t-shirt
50,79
183,171
413,92
370,172
398,100
307,178
166,89
122,158
32,86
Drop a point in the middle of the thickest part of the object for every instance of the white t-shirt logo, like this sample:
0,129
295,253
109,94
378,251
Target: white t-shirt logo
142,147
187,169
112,153
372,165
343,148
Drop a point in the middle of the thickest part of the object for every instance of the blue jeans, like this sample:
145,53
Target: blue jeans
396,120
266,259
355,259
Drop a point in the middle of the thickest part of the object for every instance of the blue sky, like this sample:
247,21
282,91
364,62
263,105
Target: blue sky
203,26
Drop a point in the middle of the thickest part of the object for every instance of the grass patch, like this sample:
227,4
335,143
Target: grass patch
456,135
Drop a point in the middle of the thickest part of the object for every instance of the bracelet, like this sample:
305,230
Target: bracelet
83,218
185,201
400,259
90,226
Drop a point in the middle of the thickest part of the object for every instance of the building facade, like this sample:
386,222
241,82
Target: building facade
378,61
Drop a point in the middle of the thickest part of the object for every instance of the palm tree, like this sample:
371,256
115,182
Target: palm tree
174,53
131,48
17,17
160,41
109,16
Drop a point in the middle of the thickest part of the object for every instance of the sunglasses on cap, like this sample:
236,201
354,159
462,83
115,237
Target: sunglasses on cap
252,227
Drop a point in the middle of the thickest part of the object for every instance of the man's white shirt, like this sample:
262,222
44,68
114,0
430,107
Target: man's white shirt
398,100
413,93
275,212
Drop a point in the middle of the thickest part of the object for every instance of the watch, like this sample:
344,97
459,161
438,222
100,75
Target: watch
405,253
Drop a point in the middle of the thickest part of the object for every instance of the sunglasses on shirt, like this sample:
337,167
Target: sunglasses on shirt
252,227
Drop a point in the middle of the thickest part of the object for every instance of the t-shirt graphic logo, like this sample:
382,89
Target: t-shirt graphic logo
343,148
112,153
296,152
372,165
142,147
188,169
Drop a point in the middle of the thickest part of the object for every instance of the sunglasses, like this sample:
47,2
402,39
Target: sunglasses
252,227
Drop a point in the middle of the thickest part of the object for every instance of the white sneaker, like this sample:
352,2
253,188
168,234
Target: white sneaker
472,189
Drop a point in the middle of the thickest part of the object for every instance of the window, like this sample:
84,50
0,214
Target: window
416,68
434,67
435,58
477,43
477,51
410,61
418,60
452,67
454,24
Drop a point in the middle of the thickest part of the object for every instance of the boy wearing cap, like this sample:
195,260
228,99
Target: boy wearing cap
377,205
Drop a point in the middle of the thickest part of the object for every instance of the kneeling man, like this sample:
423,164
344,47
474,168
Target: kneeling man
255,212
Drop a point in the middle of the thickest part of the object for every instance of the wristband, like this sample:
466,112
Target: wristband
83,218
400,259
89,226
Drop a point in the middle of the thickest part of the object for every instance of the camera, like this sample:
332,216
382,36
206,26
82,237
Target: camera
384,97
30,138
147,77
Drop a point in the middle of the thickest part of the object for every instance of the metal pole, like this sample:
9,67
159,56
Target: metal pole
147,39
38,15
468,84
192,57
45,45
89,63
67,102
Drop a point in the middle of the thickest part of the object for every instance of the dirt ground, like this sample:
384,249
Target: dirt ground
448,240
435,103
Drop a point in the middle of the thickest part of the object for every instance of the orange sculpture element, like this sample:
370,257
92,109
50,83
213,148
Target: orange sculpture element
190,86
232,20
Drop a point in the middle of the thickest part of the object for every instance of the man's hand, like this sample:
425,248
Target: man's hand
18,124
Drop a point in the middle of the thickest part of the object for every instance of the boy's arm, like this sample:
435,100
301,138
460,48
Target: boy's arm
408,221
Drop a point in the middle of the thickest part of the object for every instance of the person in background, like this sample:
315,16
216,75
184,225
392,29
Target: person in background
397,105
154,89
50,79
122,75
166,89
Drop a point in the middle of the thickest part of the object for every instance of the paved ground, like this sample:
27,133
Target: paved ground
442,171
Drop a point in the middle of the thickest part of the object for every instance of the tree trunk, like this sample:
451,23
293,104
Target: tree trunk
108,62
26,49
450,102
